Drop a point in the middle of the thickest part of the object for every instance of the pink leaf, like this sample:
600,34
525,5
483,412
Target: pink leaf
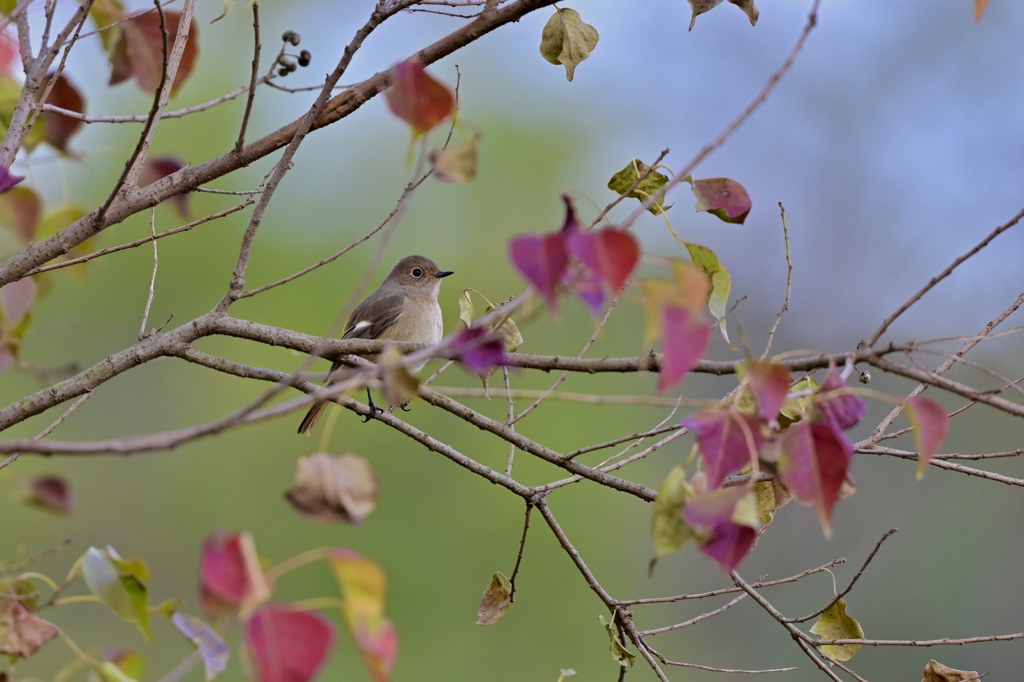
722,197
17,299
586,283
541,259
684,335
770,384
611,253
836,404
931,424
8,52
721,532
814,458
417,98
728,441
286,644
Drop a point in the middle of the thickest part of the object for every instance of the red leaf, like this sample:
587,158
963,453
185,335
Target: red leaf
49,492
722,197
770,384
138,50
931,424
286,644
230,578
20,212
59,128
161,167
418,98
722,533
684,335
814,459
541,259
611,253
728,441
836,404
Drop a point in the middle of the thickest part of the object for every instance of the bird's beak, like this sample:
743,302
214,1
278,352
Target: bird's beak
445,273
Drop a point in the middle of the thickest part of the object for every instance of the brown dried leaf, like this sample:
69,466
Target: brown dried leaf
22,633
332,488
936,672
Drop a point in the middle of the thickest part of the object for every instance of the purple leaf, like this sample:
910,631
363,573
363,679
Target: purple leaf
7,180
728,441
479,349
836,404
714,520
541,259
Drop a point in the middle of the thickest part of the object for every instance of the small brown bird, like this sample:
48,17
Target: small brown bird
403,308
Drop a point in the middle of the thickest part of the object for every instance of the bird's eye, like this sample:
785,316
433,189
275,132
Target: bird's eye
417,273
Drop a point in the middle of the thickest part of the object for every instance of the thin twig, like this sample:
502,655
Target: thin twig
941,276
885,536
254,76
789,284
152,278
519,555
145,240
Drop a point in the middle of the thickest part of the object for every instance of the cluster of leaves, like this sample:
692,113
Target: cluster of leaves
797,430
283,641
134,45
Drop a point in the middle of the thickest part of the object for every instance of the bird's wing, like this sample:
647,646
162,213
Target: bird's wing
369,322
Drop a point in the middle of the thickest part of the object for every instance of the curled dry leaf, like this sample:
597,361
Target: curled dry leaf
332,488
936,672
456,163
22,632
496,600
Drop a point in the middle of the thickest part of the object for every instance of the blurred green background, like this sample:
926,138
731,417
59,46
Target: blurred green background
895,143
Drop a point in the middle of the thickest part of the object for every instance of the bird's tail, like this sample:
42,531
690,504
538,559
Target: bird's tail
311,418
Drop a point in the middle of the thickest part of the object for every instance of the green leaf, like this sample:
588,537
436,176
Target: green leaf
795,409
467,313
668,531
625,178
721,282
836,624
567,40
619,652
124,594
106,13
10,93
